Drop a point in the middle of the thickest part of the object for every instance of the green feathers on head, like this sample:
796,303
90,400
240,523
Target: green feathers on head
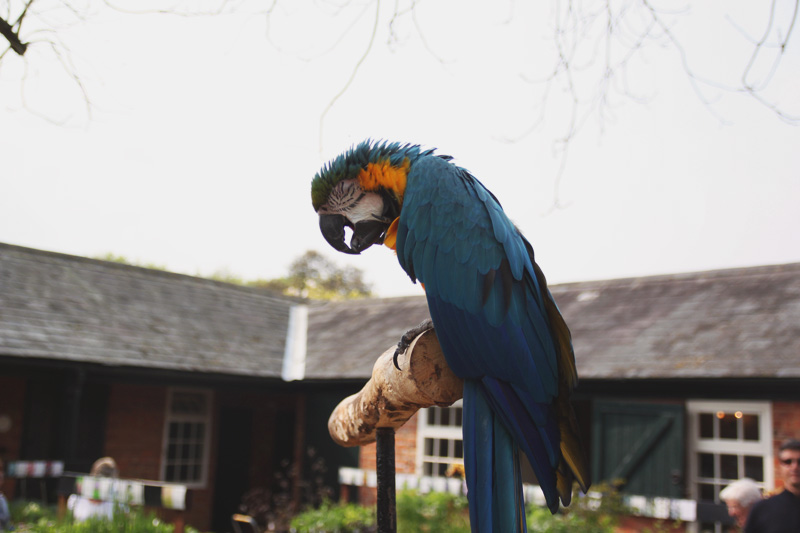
350,163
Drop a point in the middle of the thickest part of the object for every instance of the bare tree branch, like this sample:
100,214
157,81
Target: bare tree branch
7,31
587,57
353,73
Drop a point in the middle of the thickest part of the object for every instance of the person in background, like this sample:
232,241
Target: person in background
740,496
5,515
83,507
780,513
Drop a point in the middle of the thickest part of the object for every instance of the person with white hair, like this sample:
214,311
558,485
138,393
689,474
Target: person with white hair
740,496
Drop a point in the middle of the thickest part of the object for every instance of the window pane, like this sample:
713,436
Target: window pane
706,464
750,424
440,446
187,420
754,467
729,466
707,492
706,425
727,427
443,448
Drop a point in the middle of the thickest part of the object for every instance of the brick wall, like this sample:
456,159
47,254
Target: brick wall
405,457
785,425
134,429
134,436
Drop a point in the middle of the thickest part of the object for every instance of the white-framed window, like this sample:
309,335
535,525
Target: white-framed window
728,440
439,440
187,432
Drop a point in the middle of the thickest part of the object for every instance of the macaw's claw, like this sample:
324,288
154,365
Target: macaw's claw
408,337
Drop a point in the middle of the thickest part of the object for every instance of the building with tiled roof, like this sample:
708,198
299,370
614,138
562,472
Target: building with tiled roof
687,380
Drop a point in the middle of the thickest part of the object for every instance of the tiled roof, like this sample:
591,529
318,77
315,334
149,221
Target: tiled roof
726,323
56,306
345,338
737,323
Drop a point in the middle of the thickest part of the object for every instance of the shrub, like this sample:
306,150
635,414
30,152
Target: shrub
30,512
599,513
434,512
30,517
335,518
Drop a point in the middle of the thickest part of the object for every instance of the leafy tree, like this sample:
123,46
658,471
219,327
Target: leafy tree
312,275
116,258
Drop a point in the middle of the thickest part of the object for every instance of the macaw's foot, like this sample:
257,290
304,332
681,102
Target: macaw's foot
408,337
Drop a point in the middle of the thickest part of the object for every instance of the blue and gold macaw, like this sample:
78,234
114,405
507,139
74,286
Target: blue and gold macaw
497,323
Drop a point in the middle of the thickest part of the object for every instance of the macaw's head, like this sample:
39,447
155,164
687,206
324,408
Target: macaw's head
362,189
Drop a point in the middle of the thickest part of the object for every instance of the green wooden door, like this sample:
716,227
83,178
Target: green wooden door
641,444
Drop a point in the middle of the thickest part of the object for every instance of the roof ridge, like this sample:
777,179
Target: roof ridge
104,263
718,273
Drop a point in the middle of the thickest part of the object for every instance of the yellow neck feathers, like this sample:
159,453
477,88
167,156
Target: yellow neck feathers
383,174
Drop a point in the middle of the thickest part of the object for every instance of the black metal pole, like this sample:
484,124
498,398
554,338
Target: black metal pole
387,513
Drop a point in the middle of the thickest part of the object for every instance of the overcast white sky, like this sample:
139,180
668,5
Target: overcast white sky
204,136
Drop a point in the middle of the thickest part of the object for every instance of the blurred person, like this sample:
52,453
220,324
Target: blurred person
780,513
83,507
740,496
5,515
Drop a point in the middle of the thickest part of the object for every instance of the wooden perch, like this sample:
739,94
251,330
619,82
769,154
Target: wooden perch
392,396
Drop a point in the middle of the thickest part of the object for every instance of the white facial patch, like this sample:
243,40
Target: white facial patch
349,199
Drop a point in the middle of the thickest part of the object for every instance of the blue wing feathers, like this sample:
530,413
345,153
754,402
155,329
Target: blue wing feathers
489,310
534,440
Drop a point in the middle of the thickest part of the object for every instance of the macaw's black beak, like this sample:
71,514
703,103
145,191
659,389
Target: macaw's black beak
365,233
332,228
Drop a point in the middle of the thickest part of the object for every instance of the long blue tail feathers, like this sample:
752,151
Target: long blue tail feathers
494,483
494,432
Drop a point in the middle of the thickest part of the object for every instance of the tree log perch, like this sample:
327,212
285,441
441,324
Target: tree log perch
392,396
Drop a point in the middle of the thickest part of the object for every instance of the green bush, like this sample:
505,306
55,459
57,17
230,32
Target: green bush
335,518
588,514
30,517
438,512
30,512
434,512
